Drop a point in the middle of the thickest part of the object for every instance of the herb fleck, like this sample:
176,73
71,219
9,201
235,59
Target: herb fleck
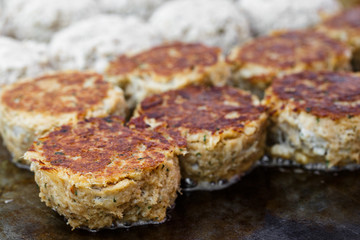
198,154
308,109
350,116
59,153
204,138
317,120
108,120
149,207
114,200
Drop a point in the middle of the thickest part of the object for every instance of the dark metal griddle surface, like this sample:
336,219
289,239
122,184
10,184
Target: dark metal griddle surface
269,203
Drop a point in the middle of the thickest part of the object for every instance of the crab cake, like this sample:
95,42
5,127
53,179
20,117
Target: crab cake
93,42
21,59
256,64
315,118
31,107
165,67
267,15
345,26
224,128
141,8
99,173
39,19
213,22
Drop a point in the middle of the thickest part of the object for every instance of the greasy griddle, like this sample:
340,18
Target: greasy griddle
269,203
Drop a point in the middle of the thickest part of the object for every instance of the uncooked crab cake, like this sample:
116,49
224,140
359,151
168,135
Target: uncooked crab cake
213,22
345,26
166,67
315,118
224,128
99,173
39,20
93,42
19,59
257,63
31,107
266,16
141,8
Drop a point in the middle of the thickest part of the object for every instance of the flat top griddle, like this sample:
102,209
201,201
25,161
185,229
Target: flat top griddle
268,203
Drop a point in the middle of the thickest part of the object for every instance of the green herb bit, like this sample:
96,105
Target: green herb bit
204,138
59,153
317,120
149,207
350,116
198,154
114,200
308,109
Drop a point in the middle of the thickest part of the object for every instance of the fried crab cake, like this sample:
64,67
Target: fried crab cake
99,173
167,67
315,118
32,107
345,26
224,128
257,63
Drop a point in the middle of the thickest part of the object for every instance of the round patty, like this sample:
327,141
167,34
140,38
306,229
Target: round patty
345,26
315,118
99,173
257,63
38,20
224,128
32,107
266,16
19,59
91,43
166,67
215,23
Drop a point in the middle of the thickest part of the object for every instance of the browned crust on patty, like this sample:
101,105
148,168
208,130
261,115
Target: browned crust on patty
346,20
55,94
201,108
166,59
287,49
102,147
324,94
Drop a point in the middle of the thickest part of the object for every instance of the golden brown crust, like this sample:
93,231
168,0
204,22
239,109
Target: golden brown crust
201,108
324,94
346,20
285,50
102,147
166,59
63,92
